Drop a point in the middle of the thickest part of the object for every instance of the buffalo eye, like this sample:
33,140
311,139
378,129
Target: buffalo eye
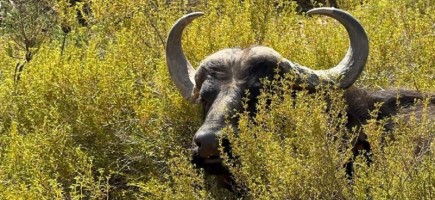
208,94
205,106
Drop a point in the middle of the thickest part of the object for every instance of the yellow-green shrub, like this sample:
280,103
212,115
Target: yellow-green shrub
102,119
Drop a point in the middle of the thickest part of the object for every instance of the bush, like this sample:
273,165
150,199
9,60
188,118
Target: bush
95,115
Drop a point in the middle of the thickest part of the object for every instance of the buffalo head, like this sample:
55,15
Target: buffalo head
220,81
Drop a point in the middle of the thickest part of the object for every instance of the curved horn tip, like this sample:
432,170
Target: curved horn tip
187,18
193,14
196,13
323,10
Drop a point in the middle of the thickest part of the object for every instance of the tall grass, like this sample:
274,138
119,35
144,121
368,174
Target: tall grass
101,119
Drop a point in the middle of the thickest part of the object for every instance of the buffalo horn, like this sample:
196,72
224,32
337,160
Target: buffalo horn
180,69
351,66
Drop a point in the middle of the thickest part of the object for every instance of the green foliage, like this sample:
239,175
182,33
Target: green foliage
283,155
95,114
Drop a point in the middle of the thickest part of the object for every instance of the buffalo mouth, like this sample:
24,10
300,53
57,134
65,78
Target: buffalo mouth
215,167
213,160
212,165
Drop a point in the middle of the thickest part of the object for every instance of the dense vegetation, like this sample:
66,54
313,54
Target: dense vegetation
88,111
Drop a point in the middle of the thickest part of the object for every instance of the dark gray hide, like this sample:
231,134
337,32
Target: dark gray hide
220,82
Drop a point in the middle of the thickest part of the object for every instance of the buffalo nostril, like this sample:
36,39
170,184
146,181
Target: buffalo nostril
206,142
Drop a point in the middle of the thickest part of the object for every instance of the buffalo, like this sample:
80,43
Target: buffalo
220,82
